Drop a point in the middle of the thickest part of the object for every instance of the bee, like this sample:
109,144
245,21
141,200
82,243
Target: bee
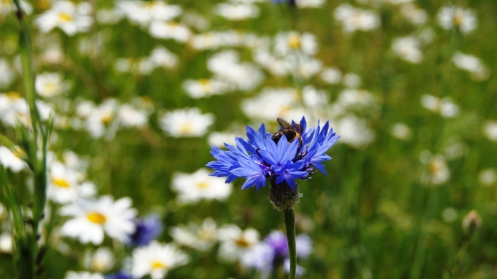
291,131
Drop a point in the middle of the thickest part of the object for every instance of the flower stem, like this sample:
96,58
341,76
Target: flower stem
290,235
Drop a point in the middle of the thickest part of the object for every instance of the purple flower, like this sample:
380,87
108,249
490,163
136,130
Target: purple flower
147,230
292,153
119,275
273,252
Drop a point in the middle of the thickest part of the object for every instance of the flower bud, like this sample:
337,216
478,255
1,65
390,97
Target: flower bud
471,222
282,196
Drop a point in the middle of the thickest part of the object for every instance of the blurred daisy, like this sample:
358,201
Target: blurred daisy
413,13
310,3
204,87
199,185
129,116
354,19
401,131
288,42
354,131
83,275
450,17
331,75
351,80
8,7
220,138
236,11
8,73
407,48
90,219
100,121
272,103
444,106
144,13
227,67
161,57
490,130
99,260
156,260
12,159
437,172
189,122
200,237
6,243
66,15
170,30
235,242
64,185
487,177
472,64
50,85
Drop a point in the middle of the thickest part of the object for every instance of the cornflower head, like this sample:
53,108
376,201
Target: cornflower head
293,152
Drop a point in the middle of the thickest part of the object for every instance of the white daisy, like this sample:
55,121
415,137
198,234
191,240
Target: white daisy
156,260
64,185
67,16
236,11
50,84
12,160
445,106
169,30
356,19
189,122
331,75
437,172
83,275
472,64
204,87
490,130
289,42
90,219
144,13
6,243
487,177
401,131
235,243
450,17
129,116
8,73
199,185
200,237
99,260
407,48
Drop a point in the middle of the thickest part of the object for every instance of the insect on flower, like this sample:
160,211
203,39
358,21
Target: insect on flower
294,152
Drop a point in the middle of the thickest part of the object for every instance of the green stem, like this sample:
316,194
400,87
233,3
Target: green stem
290,235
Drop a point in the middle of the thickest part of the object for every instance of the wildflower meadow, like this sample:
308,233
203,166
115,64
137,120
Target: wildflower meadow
248,139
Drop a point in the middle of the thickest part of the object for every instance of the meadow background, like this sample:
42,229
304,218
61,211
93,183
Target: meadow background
417,154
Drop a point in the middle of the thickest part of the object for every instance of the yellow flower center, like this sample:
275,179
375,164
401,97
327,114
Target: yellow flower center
157,265
294,41
13,95
60,182
242,242
434,167
96,217
458,18
186,128
65,17
203,185
205,84
50,86
106,119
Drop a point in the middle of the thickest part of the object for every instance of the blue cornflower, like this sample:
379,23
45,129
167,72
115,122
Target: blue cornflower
294,152
146,230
